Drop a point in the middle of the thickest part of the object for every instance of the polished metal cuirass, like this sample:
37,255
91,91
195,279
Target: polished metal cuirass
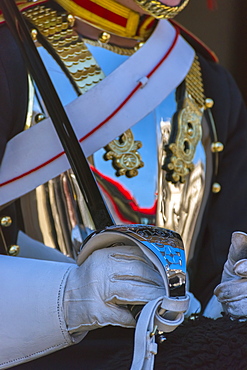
60,218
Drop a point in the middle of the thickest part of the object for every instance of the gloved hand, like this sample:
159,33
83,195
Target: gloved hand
97,292
232,292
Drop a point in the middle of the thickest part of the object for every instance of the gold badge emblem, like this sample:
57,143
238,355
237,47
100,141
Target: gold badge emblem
123,153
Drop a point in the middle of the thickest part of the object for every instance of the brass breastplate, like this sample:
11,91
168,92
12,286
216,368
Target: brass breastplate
149,198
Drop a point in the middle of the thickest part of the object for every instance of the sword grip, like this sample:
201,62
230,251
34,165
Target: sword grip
135,310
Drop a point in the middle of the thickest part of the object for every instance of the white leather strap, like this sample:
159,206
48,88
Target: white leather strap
171,304
145,347
149,321
36,155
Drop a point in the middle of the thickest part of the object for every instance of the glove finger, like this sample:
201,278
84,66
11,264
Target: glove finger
120,316
113,261
134,270
237,251
234,290
240,268
114,315
238,248
236,309
129,253
132,292
100,315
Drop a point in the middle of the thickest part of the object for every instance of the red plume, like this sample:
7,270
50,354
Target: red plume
212,4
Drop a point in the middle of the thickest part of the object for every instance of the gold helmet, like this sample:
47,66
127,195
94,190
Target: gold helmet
159,10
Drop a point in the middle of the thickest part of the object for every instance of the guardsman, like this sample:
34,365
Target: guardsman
164,129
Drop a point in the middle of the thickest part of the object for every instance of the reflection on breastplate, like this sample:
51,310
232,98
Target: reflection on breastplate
149,198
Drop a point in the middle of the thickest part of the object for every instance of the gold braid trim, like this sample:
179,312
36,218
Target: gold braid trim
99,21
133,28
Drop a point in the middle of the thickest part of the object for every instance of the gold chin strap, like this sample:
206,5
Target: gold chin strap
160,10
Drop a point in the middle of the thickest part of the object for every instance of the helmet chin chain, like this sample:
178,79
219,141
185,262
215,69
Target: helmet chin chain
159,10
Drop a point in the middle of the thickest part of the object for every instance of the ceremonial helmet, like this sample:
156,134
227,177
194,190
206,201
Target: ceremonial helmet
159,9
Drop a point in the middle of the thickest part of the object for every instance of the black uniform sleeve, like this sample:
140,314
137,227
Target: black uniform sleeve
13,105
13,88
226,211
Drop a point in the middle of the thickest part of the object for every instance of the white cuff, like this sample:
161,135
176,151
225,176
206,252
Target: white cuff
213,309
31,309
194,307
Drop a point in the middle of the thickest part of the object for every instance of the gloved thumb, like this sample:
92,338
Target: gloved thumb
237,251
240,268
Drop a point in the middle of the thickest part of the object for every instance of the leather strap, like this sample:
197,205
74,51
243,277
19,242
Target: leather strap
36,155
149,321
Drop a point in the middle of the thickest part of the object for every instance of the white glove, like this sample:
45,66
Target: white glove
97,292
232,292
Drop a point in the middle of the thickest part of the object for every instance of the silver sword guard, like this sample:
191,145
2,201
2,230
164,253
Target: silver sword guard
162,246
